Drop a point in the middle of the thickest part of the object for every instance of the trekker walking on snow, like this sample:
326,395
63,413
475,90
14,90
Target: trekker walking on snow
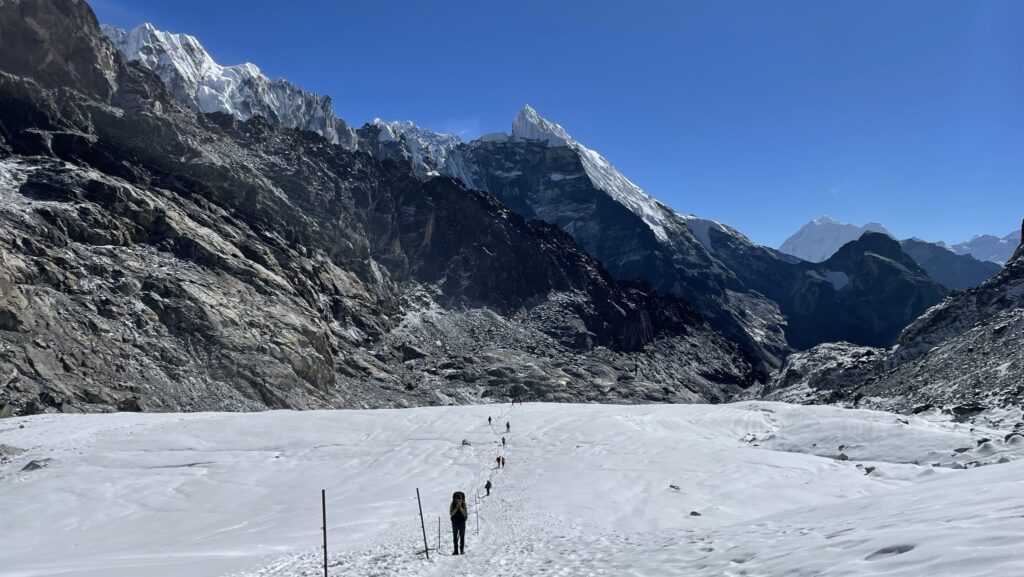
503,441
459,512
488,487
502,462
488,421
508,427
498,461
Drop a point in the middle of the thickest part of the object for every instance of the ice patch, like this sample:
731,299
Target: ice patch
700,227
838,279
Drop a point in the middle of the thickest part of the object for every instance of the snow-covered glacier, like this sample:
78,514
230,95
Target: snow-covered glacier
752,488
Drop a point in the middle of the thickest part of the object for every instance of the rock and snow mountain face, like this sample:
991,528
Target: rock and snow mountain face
964,353
193,77
764,299
153,258
951,270
819,239
989,247
563,182
823,237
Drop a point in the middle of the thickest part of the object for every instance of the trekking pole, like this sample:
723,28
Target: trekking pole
438,534
323,504
426,548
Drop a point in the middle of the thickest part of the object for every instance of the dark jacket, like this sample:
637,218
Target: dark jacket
458,511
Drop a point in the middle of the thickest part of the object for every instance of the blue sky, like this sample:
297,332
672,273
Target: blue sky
762,115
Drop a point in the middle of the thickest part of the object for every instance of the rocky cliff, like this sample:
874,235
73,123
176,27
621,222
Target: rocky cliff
951,270
156,257
964,354
767,301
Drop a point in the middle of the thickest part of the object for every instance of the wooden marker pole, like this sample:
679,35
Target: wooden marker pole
423,525
323,504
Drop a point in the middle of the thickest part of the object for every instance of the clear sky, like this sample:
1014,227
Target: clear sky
762,115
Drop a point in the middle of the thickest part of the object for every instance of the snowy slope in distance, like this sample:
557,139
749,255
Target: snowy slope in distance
819,239
989,247
586,491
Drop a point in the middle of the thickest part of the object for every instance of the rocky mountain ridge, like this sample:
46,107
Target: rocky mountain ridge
154,257
988,247
194,78
951,270
963,354
764,299
541,172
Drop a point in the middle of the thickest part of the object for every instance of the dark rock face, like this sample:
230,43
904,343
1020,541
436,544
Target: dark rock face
766,301
881,290
964,352
45,45
153,258
865,294
519,173
951,270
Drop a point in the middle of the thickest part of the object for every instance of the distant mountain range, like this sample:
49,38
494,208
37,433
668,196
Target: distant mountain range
822,237
181,235
988,247
964,354
758,297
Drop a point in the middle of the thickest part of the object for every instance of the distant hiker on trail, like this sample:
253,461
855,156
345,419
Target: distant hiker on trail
503,441
502,464
498,461
508,427
459,512
488,421
488,487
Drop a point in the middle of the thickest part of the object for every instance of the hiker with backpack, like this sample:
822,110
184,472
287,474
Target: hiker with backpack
508,427
503,441
488,487
459,512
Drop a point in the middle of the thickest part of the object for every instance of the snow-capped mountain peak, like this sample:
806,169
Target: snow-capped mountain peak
529,125
193,77
431,153
989,247
819,239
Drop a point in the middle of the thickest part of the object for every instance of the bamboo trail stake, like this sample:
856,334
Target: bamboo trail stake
323,504
438,534
423,525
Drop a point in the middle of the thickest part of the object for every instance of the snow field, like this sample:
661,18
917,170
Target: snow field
585,492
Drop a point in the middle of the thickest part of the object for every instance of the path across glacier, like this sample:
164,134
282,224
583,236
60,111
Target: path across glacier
585,492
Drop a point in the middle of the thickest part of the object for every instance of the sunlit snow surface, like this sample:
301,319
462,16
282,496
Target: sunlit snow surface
586,492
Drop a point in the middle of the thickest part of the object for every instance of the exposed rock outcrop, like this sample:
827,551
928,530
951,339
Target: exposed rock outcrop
156,258
963,352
